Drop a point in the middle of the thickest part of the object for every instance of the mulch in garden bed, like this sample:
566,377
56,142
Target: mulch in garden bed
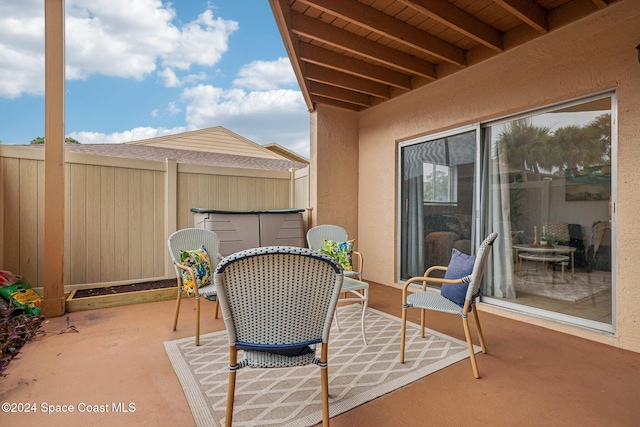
145,286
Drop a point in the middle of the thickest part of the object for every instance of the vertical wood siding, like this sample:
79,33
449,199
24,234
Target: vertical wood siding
115,221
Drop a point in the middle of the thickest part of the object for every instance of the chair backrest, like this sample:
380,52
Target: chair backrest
478,267
557,229
193,238
317,234
277,296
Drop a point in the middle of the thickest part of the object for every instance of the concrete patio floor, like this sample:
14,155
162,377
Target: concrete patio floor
531,376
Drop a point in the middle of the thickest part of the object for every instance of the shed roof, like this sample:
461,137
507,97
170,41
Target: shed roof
214,146
212,140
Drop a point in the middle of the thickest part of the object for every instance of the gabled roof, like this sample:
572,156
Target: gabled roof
211,140
214,146
286,153
355,54
160,154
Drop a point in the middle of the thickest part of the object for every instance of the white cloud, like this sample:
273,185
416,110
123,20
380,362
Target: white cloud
262,116
126,136
169,77
136,39
120,38
173,108
21,48
266,75
202,42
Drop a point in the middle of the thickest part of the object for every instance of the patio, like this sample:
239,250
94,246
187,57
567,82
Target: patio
531,376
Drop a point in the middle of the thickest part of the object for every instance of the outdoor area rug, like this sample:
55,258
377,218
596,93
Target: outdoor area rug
292,396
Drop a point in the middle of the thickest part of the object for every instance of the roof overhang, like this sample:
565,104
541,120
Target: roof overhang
355,54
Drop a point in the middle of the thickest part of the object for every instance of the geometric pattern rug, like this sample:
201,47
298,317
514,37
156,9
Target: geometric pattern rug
292,396
548,284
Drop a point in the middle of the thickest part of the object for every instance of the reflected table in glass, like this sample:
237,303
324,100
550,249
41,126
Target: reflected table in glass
545,253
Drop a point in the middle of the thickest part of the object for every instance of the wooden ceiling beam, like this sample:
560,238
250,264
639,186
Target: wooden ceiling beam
529,12
456,18
340,94
335,78
316,55
380,23
343,39
317,99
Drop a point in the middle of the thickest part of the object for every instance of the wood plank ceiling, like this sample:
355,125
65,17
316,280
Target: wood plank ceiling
355,54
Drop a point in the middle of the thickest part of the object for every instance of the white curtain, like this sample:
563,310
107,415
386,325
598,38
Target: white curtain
496,214
412,257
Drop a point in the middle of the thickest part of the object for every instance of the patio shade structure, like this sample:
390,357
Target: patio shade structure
53,289
355,54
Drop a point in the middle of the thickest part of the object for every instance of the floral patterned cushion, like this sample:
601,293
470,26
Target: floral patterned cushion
198,260
341,251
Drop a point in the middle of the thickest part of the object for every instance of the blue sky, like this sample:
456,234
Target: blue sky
138,69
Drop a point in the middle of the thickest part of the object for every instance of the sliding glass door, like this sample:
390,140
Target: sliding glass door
548,190
543,181
437,198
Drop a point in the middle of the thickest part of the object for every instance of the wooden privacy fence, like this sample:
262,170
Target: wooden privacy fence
119,212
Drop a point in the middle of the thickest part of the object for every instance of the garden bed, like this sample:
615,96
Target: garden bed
113,296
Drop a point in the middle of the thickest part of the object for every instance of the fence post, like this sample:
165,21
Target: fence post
170,208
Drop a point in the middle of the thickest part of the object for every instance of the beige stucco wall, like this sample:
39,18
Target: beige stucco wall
334,152
594,54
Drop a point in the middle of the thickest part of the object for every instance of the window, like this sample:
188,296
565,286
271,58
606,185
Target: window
440,184
437,190
547,192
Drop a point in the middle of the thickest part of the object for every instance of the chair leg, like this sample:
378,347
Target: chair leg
480,336
364,311
197,319
403,333
231,390
324,378
217,306
472,355
422,322
175,318
335,317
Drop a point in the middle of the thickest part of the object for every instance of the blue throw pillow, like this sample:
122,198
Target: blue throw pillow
460,265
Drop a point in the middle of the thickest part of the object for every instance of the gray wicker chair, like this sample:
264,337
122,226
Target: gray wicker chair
190,239
429,300
277,304
354,288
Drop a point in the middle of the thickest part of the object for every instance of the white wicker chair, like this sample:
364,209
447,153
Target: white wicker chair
352,284
428,300
190,239
315,241
277,303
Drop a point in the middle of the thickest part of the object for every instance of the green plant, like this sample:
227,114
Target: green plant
552,239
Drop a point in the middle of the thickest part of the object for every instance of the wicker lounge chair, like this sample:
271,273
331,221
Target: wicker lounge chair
277,303
429,300
190,239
